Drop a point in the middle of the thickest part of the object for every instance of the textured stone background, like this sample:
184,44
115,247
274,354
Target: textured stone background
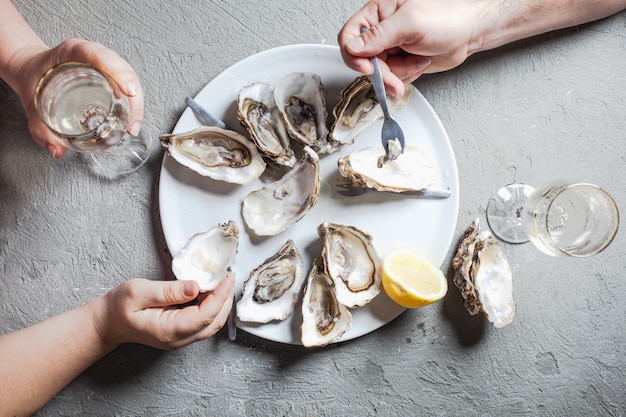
537,110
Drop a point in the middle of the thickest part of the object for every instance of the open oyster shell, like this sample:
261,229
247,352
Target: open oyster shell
483,275
278,205
271,291
301,100
207,256
257,112
352,262
324,319
412,170
358,108
221,154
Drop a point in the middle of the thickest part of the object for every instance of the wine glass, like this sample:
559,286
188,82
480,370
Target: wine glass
88,113
561,218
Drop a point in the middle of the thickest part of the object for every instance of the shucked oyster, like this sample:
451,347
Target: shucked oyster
278,205
207,256
273,288
301,100
257,112
217,153
352,262
412,170
358,108
324,319
483,275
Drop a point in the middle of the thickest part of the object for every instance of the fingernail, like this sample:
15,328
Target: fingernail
52,150
356,43
134,128
131,89
189,289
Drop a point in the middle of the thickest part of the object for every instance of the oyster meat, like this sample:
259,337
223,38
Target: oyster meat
278,205
412,170
271,291
301,100
483,275
217,153
257,112
352,262
358,108
207,256
324,319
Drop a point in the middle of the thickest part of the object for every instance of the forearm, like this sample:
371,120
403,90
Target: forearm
16,39
504,21
39,361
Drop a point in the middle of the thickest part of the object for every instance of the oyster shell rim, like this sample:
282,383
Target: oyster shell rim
254,169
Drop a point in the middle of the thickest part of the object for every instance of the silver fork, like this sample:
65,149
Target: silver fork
348,189
392,136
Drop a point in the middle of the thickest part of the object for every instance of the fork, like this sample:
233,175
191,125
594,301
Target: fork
391,132
348,189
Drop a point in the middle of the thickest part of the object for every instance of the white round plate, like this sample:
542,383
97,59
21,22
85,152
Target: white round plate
191,203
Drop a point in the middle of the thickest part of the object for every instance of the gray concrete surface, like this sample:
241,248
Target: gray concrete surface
544,108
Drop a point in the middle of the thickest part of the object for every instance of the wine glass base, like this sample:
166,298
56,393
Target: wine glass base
121,159
504,212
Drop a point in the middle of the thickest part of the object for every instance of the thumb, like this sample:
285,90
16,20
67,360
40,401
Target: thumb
387,34
168,293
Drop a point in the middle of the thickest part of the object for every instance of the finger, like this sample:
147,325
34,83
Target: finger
351,33
366,17
389,29
405,69
222,298
393,84
217,322
45,138
207,317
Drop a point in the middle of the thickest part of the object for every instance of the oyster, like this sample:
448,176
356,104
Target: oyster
352,262
412,170
301,100
358,108
273,288
217,153
483,275
257,112
278,205
324,319
207,256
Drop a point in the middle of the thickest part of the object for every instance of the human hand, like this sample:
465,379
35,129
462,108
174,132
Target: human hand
30,64
146,312
410,37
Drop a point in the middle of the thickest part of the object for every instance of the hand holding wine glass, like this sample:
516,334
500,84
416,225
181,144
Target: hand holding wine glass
31,58
561,218
85,109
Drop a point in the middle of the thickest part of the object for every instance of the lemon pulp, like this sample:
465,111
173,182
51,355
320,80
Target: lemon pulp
412,279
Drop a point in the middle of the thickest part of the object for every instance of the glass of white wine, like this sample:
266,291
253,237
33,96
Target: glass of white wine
562,218
85,109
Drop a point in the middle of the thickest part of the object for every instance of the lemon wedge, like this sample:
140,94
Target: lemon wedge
411,279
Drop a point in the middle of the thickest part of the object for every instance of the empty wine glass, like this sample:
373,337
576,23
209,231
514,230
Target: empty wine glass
562,218
85,109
